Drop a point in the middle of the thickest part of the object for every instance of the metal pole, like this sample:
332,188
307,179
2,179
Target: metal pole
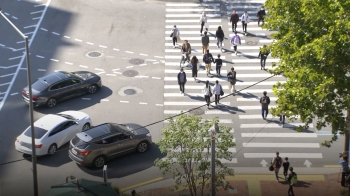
213,190
35,177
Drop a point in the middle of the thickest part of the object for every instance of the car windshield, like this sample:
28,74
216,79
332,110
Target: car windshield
38,132
77,142
66,116
77,75
39,85
125,129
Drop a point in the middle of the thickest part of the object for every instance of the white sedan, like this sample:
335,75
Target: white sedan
52,131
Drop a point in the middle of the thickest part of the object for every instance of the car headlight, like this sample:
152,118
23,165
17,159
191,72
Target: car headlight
148,134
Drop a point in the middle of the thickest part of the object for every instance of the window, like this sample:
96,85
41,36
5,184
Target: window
38,132
57,129
68,124
75,81
39,85
108,140
63,84
122,137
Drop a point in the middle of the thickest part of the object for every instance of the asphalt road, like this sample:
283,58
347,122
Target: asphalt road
62,35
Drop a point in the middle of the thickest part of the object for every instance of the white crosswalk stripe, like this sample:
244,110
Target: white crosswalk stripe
244,109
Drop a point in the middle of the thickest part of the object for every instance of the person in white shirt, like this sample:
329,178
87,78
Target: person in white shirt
175,34
207,93
202,20
245,20
216,91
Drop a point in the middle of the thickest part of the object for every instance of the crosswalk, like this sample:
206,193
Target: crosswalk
256,137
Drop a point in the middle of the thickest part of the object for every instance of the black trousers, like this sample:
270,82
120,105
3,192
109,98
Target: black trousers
202,24
234,26
207,99
235,48
290,190
260,19
263,61
244,26
182,86
217,97
282,118
174,40
218,69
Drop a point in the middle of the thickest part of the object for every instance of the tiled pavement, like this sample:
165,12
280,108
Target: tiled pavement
265,185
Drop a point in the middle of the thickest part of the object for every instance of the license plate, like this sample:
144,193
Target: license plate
74,151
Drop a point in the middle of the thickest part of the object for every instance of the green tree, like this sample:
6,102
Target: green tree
186,143
313,45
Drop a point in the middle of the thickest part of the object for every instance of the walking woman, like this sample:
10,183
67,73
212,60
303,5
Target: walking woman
195,67
220,37
217,91
203,20
245,20
207,93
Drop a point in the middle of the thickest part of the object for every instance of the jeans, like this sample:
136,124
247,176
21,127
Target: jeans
182,87
217,97
208,67
290,190
244,26
218,69
264,111
263,61
174,40
219,42
276,172
232,87
202,24
207,99
235,48
234,26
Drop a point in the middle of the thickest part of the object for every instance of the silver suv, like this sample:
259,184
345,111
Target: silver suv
98,144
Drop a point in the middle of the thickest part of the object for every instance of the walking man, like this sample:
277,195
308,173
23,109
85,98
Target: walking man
245,20
181,80
285,167
231,76
261,15
234,19
292,179
263,56
276,163
265,101
202,20
205,42
217,92
175,34
207,59
218,63
235,40
186,49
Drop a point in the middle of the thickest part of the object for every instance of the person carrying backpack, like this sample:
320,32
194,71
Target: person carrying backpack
207,59
292,179
277,163
235,40
265,101
261,15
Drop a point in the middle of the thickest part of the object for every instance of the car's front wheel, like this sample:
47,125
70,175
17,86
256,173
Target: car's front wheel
52,102
52,149
99,161
142,147
86,127
92,89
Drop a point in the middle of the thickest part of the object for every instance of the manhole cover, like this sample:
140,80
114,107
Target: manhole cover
136,61
252,43
197,112
94,54
130,91
130,73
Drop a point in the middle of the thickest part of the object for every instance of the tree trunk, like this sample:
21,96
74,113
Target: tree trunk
346,139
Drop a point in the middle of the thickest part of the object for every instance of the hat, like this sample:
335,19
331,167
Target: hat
232,68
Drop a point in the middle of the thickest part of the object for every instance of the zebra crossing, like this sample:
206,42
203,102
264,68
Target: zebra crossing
255,138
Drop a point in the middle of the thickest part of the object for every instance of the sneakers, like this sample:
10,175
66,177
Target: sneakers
236,53
174,46
181,92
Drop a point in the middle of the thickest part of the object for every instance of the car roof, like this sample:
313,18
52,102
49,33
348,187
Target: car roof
50,121
55,77
103,130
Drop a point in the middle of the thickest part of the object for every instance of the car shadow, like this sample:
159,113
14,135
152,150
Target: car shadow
127,164
78,103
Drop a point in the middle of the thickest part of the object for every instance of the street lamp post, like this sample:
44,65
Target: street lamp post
213,130
35,178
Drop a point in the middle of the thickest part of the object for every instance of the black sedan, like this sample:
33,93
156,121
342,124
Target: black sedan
61,85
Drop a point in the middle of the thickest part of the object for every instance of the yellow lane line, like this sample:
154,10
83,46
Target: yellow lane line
141,184
332,166
272,177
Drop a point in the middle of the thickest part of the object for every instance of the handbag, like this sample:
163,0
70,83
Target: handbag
221,91
210,94
171,34
271,168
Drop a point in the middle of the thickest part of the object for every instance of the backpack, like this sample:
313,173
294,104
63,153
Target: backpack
278,162
264,99
294,179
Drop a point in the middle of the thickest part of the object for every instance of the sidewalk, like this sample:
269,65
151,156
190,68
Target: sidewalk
262,185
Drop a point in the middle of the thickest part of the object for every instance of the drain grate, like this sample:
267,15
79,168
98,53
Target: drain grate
94,54
136,61
130,91
197,112
130,73
252,43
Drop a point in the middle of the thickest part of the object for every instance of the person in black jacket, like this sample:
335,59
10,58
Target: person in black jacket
261,14
234,19
218,63
181,80
231,76
207,59
220,37
263,56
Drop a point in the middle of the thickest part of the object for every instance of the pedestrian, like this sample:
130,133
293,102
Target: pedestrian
205,42
175,33
219,35
285,167
195,67
181,80
234,19
207,93
186,49
235,40
261,15
231,76
203,20
207,59
217,91
282,119
292,179
265,101
344,163
277,163
245,21
133,193
218,63
263,53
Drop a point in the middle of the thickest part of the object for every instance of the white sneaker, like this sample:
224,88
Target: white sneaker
174,46
236,53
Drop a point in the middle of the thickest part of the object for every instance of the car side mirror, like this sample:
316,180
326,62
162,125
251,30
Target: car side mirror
77,123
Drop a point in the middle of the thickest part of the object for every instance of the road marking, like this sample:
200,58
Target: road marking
7,14
178,57
280,135
102,46
189,21
143,64
143,103
191,87
116,49
43,28
117,72
39,5
83,66
159,57
129,67
36,12
124,101
192,10
281,145
69,63
55,33
14,17
157,78
111,75
41,69
17,57
99,73
255,99
159,104
7,75
90,43
78,40
332,166
141,76
21,42
14,94
66,36
19,49
143,54
23,68
289,155
36,18
115,69
104,100
140,184
269,125
197,39
26,27
191,16
40,56
54,60
152,59
191,5
5,84
8,66
28,33
129,52
99,69
86,98
155,62
192,103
